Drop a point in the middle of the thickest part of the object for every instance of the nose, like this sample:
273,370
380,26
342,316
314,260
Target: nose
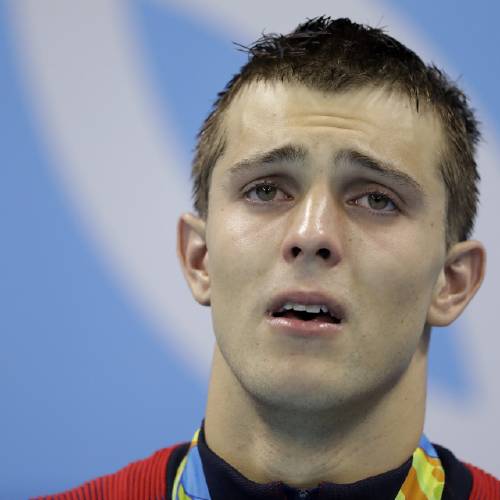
313,231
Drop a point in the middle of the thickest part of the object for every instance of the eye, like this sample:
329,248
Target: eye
377,202
265,192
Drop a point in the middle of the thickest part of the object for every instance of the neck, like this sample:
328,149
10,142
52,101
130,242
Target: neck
343,444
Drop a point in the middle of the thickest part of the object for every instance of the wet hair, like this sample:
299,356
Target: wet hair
335,55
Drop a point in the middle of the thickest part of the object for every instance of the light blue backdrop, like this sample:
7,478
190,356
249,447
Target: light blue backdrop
86,386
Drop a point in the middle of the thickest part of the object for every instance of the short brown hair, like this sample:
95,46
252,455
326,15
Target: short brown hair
337,54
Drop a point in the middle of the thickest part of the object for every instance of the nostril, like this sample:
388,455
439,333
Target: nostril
295,251
324,252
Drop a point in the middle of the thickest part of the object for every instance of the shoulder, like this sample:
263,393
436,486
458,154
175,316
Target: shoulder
142,479
484,485
466,481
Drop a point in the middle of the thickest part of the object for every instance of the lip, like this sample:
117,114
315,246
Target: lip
306,328
297,327
307,297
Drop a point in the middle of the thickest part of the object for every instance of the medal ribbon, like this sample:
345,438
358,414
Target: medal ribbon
425,479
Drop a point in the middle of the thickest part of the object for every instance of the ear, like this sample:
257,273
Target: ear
458,282
193,256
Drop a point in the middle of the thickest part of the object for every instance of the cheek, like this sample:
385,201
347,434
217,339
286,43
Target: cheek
397,276
241,253
242,243
392,293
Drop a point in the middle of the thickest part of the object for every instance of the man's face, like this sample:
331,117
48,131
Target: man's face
335,197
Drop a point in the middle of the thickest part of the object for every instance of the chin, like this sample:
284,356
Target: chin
295,394
308,406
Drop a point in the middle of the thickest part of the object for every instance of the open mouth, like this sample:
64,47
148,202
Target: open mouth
320,317
310,313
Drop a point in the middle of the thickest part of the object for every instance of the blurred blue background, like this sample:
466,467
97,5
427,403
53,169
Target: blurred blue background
87,385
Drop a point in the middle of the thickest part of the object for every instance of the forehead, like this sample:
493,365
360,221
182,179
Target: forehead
375,121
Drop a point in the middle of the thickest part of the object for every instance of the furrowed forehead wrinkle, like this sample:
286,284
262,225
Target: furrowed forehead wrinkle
287,153
350,156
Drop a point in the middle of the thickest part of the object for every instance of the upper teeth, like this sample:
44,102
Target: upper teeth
310,308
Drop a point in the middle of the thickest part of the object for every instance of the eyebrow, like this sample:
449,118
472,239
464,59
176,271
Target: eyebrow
287,153
380,167
297,153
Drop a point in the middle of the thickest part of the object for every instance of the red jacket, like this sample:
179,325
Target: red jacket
146,480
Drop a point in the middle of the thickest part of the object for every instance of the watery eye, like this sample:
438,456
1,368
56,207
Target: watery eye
378,202
266,192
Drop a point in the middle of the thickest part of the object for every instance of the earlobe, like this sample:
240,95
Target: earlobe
193,256
458,282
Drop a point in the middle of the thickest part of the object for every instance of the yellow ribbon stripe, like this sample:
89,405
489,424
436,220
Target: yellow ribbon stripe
425,480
